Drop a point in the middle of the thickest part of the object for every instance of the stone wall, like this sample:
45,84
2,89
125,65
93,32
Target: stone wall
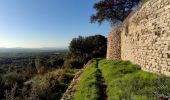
145,37
113,46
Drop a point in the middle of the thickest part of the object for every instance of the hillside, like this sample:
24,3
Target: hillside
53,84
120,80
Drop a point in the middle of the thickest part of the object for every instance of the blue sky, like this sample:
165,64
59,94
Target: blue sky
46,23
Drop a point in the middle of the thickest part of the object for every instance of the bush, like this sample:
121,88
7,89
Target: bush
2,87
41,65
11,94
73,63
57,62
29,71
51,85
12,78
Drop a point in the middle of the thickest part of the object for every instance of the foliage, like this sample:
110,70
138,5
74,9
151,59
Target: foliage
82,49
56,62
29,71
10,95
12,78
48,86
2,88
51,85
19,79
111,10
73,63
40,64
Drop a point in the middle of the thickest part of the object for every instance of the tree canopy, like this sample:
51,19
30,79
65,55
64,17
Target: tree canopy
112,10
94,46
86,48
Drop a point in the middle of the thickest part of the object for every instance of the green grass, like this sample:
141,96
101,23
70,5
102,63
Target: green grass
88,88
125,81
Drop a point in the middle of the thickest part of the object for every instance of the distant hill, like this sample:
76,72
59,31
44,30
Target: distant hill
29,50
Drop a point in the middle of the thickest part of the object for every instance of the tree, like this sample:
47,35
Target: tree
83,49
112,10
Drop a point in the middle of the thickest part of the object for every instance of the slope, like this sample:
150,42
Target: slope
119,80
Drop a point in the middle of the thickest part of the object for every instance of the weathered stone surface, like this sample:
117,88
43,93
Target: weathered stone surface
144,38
114,46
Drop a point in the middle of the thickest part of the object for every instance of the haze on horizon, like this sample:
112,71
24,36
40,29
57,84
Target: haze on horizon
46,23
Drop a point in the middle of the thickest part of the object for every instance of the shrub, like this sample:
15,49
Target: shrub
2,87
11,94
51,85
57,62
40,64
29,71
12,78
73,63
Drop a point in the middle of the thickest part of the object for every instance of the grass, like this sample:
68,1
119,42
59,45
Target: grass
88,88
125,81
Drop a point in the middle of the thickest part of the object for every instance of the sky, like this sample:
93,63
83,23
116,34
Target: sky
46,23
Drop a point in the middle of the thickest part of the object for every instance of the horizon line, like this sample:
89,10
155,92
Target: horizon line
34,47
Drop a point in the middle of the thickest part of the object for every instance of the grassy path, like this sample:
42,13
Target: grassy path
121,80
69,93
101,84
102,87
92,84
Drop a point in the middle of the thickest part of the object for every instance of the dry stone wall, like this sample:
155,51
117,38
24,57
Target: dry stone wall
114,47
145,37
